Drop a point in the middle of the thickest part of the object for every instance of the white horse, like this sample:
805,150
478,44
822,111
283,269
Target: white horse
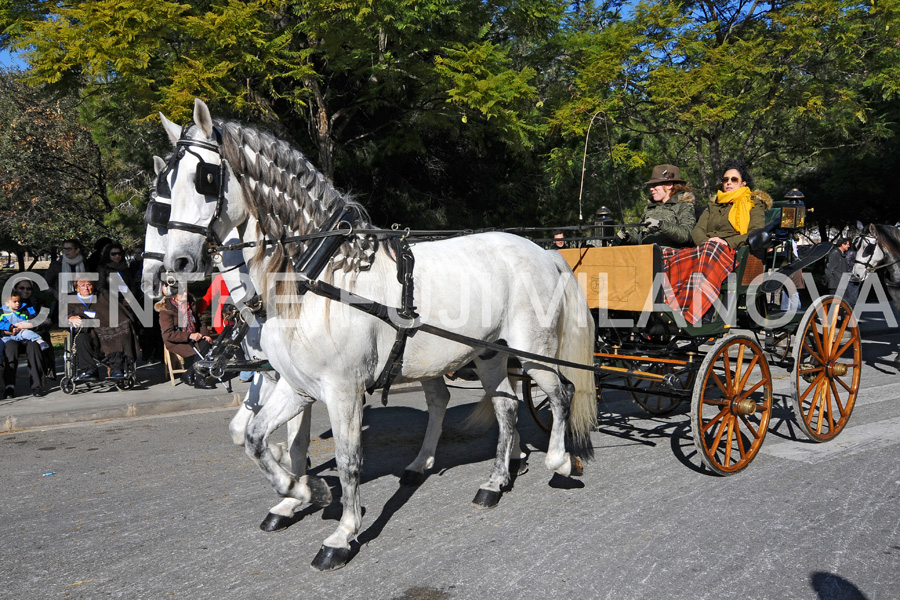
495,288
878,249
234,272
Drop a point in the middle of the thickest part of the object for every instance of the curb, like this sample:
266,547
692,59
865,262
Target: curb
11,423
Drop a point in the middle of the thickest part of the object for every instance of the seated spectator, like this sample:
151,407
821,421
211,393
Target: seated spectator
669,218
719,231
15,330
183,333
71,261
106,335
14,323
32,306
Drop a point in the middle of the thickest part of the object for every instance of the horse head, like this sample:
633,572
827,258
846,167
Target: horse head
206,198
156,221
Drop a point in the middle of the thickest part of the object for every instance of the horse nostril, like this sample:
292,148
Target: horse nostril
183,264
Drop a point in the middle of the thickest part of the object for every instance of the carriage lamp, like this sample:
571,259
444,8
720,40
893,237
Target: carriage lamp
793,214
603,223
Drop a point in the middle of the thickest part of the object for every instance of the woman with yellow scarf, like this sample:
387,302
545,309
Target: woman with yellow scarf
696,274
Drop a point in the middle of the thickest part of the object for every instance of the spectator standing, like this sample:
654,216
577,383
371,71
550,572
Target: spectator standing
835,269
71,261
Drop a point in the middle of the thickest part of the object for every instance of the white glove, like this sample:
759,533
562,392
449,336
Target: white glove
621,234
651,223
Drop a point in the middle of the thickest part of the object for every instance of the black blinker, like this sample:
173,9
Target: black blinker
207,180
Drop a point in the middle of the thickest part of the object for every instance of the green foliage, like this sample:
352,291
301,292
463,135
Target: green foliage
482,112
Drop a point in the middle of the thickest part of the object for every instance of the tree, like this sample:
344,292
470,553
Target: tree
52,175
780,85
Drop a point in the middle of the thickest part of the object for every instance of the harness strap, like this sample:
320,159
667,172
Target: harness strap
405,263
390,316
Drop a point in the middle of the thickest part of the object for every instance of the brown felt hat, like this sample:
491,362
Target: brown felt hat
665,174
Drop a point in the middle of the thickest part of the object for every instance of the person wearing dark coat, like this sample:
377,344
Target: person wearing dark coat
99,333
183,332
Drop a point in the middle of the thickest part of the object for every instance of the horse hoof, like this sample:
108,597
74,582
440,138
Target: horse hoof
486,498
320,493
412,478
273,523
331,559
519,465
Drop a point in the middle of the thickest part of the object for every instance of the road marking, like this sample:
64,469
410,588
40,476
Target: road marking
862,438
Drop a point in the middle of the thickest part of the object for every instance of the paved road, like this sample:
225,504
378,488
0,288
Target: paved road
166,507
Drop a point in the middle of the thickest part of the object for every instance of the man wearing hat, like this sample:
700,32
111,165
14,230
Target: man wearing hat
669,218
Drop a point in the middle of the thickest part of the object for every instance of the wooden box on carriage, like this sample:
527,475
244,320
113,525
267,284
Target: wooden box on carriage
618,278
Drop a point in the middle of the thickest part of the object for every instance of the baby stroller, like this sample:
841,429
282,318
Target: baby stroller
70,381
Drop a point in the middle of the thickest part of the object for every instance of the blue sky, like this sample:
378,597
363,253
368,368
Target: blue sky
7,60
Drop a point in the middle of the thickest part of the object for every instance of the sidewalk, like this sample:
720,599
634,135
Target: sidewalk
153,395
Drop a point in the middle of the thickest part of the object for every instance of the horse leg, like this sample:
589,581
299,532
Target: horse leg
282,405
560,395
497,386
346,425
259,389
298,428
437,396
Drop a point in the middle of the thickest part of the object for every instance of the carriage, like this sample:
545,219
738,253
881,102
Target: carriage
345,297
725,375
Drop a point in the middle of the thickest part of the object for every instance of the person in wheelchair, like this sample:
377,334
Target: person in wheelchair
100,336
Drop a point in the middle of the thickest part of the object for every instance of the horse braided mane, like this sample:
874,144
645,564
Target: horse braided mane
288,196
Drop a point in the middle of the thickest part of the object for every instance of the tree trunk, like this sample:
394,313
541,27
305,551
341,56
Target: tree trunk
322,131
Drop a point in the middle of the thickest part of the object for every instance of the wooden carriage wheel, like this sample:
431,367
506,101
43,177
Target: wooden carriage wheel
646,397
731,404
827,365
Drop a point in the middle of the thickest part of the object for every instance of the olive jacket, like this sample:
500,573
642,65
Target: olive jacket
714,221
676,221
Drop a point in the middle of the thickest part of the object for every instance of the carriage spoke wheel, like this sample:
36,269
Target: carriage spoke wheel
731,404
646,395
538,404
827,365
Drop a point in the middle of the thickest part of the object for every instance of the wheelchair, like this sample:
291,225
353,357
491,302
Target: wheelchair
69,384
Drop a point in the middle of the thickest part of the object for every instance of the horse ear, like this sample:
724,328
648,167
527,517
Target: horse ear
202,118
158,164
872,228
173,130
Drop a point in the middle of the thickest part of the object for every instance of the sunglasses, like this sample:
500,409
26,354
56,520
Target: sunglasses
115,254
67,248
23,289
731,179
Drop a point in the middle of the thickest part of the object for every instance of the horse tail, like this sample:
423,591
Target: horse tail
482,416
576,333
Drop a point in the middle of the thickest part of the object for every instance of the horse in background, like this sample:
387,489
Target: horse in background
878,251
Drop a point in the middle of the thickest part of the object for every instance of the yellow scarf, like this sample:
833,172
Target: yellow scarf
739,215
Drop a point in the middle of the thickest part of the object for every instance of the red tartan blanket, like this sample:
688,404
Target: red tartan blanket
696,276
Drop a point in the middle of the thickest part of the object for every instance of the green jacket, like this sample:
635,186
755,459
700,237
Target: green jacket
676,220
714,221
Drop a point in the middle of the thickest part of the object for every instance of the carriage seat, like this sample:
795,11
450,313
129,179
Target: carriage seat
618,277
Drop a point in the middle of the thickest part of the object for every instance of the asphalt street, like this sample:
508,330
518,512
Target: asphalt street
167,507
